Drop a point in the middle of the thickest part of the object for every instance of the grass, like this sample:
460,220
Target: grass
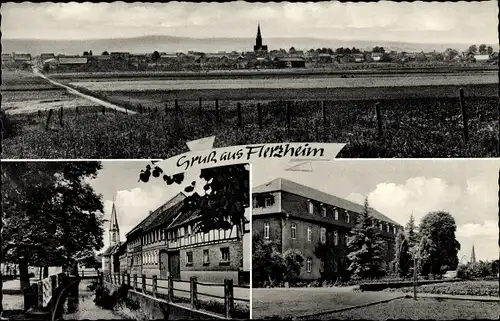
428,308
422,127
481,288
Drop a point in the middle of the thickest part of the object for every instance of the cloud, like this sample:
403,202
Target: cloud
474,207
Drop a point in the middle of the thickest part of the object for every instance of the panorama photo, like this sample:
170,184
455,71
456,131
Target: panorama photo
138,80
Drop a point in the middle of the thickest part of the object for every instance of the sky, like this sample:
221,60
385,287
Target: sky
429,22
465,188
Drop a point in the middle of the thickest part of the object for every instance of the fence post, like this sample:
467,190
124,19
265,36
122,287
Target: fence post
40,294
259,114
464,116
194,292
379,120
135,282
240,122
323,110
228,299
53,283
143,283
288,113
47,123
170,288
217,109
154,288
61,116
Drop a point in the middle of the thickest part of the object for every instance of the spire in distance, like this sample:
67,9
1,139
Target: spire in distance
473,255
114,230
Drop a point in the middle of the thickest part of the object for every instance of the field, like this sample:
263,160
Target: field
417,121
426,309
481,288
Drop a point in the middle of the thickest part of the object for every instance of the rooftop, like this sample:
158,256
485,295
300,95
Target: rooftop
282,184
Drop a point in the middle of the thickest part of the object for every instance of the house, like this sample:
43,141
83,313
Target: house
47,56
295,216
7,59
343,58
22,57
358,57
166,243
72,60
481,58
324,58
290,62
376,56
120,55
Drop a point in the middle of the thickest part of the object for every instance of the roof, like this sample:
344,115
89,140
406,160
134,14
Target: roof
281,184
111,250
72,60
481,57
154,217
292,59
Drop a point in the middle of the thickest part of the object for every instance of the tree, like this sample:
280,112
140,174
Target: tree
403,259
294,261
51,215
411,233
226,195
332,256
268,265
473,49
365,248
450,53
90,52
105,53
489,50
85,53
156,56
482,49
292,50
439,228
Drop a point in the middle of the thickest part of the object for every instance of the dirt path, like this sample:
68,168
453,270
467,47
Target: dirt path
77,93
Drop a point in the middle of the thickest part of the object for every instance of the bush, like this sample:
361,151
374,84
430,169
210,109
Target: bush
110,300
7,128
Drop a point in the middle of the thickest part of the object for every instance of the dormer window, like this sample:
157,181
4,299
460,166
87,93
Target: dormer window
348,217
336,213
268,202
388,227
323,210
394,230
311,208
381,226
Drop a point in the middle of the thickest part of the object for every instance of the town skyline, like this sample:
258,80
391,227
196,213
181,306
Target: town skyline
384,21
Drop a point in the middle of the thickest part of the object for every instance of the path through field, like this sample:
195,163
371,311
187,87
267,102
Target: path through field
77,93
293,302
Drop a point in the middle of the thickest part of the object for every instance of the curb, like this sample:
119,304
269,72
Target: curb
458,297
349,308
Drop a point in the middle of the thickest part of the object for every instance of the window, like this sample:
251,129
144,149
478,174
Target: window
266,230
336,214
309,233
388,227
224,252
335,266
206,257
189,258
293,231
309,265
254,203
269,202
346,238
323,235
348,217
381,227
394,230
336,237
323,209
311,208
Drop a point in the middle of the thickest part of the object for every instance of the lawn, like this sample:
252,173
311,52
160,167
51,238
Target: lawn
422,127
283,303
482,288
428,308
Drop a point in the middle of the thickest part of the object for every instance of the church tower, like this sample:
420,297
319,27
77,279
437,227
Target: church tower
258,42
114,230
473,256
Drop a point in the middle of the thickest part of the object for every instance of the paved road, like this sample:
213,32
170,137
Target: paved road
303,301
77,93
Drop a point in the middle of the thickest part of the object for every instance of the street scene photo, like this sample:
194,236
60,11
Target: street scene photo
377,240
125,240
139,80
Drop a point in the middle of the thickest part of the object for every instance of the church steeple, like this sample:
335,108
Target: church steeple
114,230
258,42
473,256
258,31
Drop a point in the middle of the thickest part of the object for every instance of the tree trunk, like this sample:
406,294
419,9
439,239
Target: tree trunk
24,281
45,272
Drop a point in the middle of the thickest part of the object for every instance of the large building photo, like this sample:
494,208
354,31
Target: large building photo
299,217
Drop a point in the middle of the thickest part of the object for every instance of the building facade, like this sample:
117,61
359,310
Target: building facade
295,216
167,243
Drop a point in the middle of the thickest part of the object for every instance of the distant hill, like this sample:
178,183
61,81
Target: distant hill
148,44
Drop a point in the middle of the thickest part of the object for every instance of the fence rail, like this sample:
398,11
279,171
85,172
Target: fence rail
150,286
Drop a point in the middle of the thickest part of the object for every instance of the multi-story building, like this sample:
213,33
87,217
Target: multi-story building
167,243
295,216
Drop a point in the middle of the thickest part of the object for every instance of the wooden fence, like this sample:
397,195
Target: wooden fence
150,286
